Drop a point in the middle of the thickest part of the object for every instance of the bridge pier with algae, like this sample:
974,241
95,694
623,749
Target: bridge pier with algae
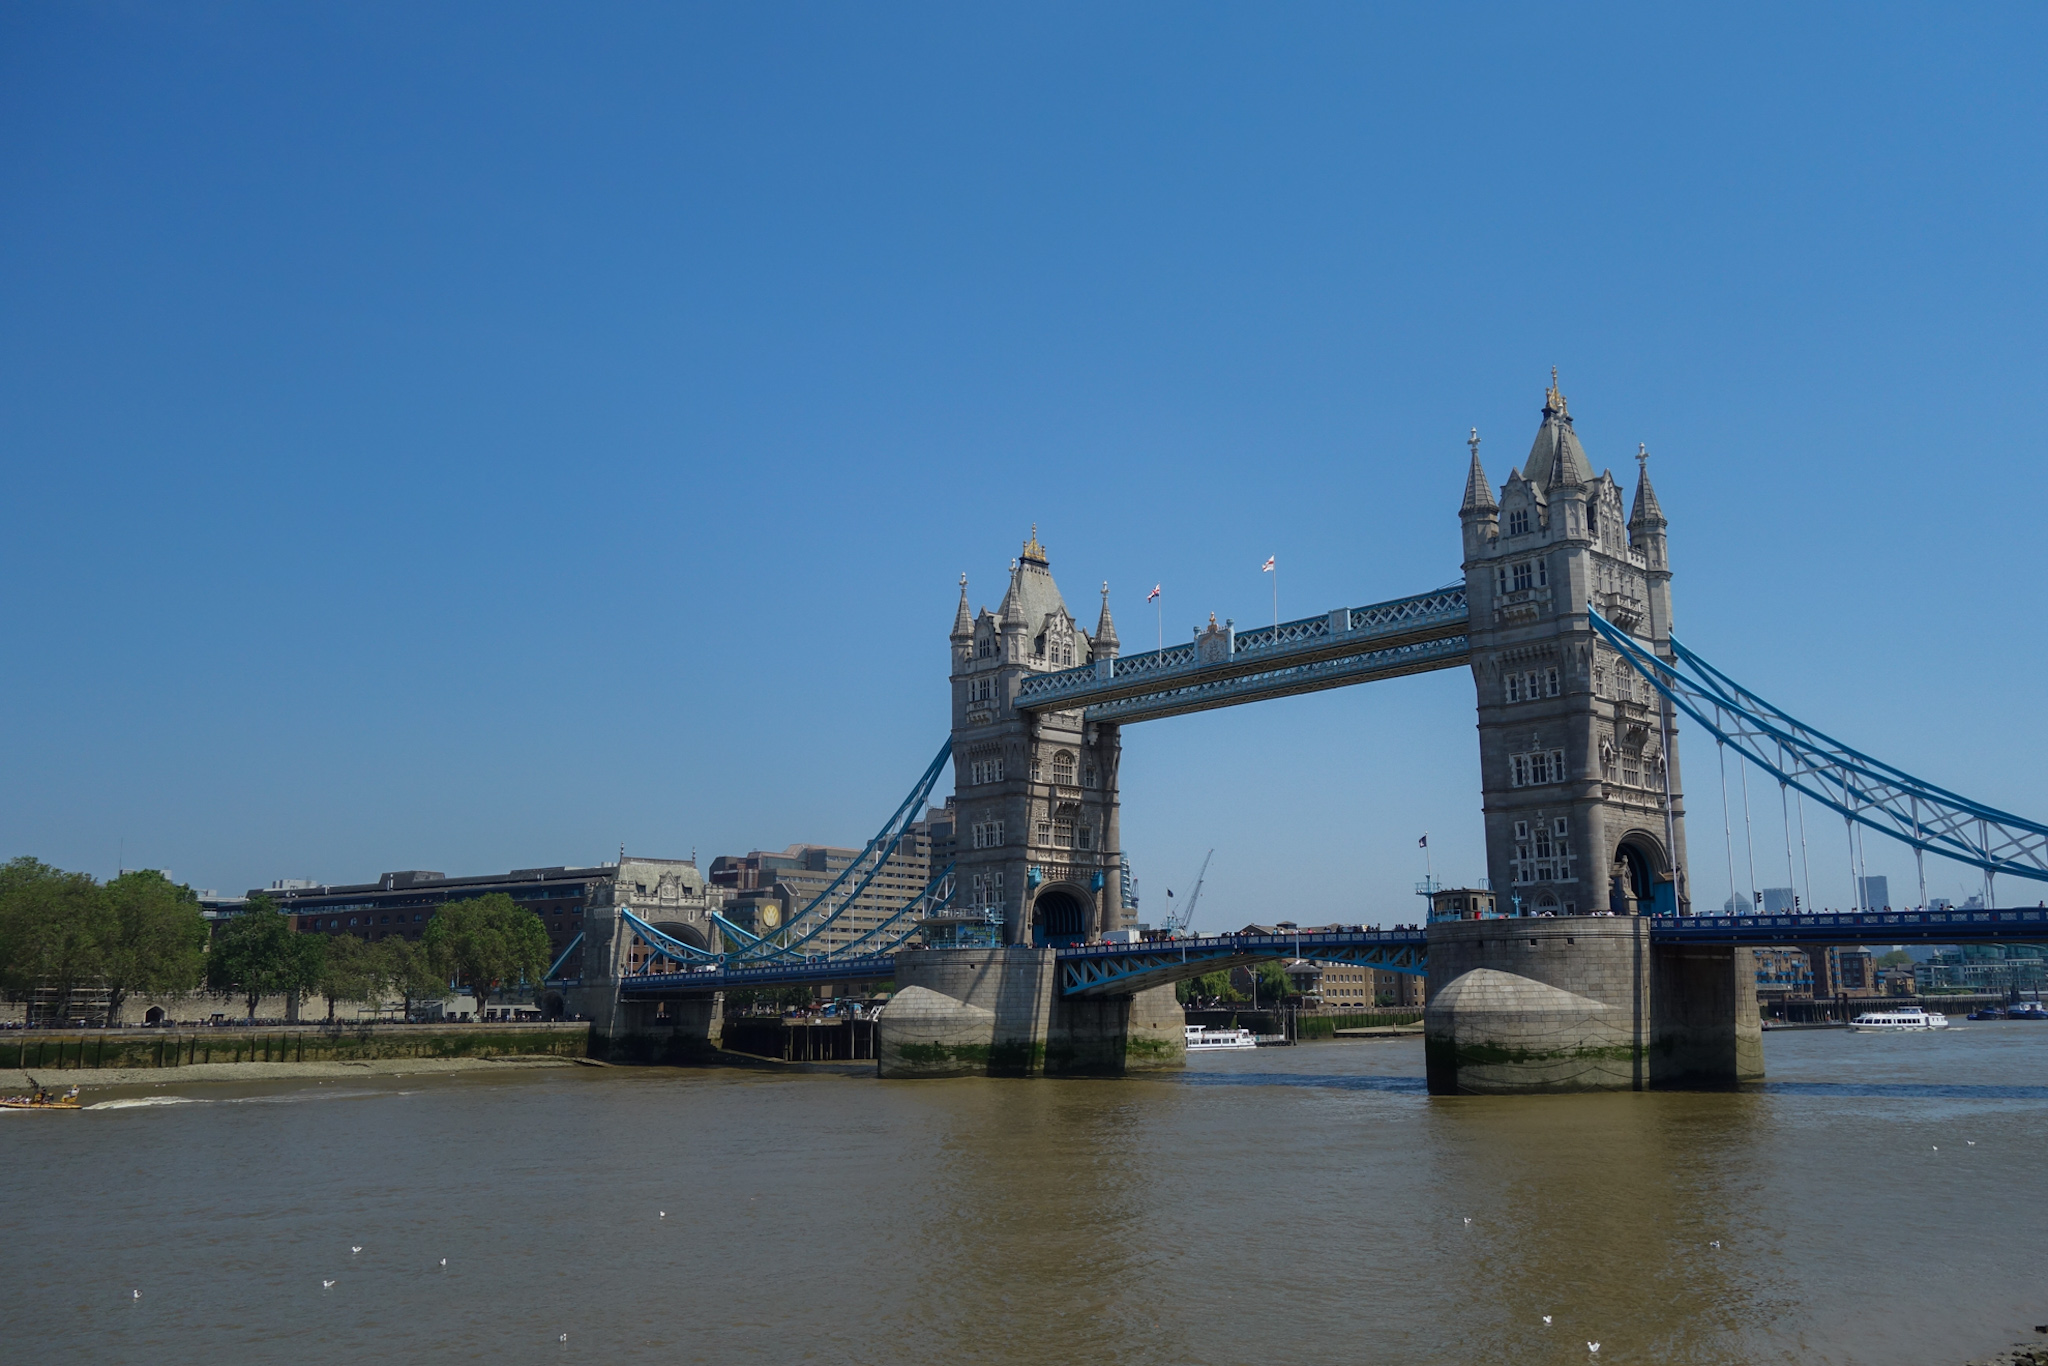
998,1012
1586,1003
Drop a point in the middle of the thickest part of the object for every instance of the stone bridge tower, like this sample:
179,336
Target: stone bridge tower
1035,805
1584,809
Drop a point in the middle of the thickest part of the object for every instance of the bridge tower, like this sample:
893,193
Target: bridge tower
1584,810
1035,803
1578,758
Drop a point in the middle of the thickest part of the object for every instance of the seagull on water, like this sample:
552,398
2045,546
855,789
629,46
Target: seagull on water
444,1261
137,1294
1971,1141
664,1214
1546,1320
565,1337
1715,1243
1594,1348
353,1251
1468,1218
327,1285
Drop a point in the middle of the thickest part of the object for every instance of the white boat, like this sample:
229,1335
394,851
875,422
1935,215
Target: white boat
1205,1040
1893,1021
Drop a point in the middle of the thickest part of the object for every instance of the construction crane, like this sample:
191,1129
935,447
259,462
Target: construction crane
1177,920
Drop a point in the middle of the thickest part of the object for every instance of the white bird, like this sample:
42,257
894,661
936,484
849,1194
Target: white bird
664,1214
565,1337
137,1294
353,1251
1715,1243
444,1261
1546,1320
1468,1218
1937,1147
1971,1141
1593,1347
327,1285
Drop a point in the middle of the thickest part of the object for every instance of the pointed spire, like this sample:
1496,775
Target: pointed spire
1105,629
1646,513
963,620
1012,610
1478,491
1033,551
1556,459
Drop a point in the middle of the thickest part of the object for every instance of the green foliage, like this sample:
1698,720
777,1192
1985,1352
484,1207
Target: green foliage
747,999
155,938
54,927
1213,986
350,970
488,943
257,954
1274,983
1897,958
407,971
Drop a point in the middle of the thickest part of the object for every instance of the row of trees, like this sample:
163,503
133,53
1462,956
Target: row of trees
143,934
1273,982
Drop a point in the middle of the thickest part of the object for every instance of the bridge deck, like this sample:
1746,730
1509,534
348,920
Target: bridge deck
1346,646
1088,970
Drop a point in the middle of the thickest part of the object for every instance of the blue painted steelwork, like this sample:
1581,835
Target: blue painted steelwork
1120,969
674,949
1370,667
873,967
733,932
1348,645
556,966
1860,927
868,864
1868,791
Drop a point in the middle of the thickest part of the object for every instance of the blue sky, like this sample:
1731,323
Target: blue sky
469,437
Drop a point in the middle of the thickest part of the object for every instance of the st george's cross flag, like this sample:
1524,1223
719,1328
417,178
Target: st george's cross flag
1267,567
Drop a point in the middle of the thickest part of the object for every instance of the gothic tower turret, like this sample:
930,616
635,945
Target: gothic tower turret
1035,801
1579,769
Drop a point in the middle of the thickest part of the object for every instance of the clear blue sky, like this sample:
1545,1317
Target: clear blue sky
473,436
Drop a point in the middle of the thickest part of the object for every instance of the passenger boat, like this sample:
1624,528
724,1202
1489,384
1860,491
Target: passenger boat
1893,1021
41,1099
2026,1010
1205,1040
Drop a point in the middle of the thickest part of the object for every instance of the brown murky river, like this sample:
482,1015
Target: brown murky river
1879,1201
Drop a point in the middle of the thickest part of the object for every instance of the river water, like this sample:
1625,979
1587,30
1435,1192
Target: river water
1878,1201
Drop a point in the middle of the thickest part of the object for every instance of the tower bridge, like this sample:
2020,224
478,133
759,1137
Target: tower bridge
1603,976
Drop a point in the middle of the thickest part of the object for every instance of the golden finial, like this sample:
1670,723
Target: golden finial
1032,549
1553,399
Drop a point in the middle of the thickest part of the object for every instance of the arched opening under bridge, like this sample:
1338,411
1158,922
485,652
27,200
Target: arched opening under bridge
1058,918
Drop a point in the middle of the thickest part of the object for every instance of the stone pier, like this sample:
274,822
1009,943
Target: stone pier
998,1012
1585,1003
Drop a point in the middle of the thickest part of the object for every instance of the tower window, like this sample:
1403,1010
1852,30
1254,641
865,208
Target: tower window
1063,768
1063,834
1045,832
1550,683
1518,522
1037,772
1524,576
1089,776
985,648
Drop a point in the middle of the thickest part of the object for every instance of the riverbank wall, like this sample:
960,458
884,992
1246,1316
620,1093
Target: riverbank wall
66,1050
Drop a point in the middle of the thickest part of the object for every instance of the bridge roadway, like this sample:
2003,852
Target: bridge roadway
1091,970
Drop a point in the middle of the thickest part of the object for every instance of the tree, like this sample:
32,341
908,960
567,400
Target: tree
257,954
1897,958
407,971
487,942
1212,986
155,938
350,970
54,927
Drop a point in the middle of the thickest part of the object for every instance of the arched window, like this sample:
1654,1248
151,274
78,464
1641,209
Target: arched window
1063,768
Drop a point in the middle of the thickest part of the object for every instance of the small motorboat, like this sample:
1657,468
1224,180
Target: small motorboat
1205,1040
42,1099
1896,1021
2026,1010
1985,1013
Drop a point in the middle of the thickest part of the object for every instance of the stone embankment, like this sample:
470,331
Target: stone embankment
69,1054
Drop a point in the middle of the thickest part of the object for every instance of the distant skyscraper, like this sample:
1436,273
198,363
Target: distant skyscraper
1778,900
1873,893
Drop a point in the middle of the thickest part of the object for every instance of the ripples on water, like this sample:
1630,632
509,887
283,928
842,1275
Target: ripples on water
1290,1205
